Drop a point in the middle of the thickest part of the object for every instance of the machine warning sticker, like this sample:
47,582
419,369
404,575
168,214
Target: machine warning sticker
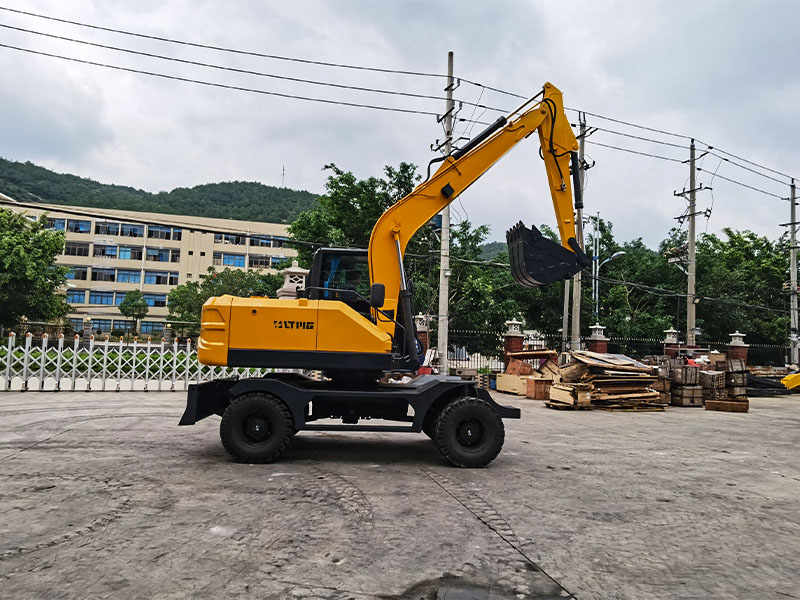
293,324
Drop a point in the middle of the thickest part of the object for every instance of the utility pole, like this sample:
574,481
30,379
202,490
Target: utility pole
283,175
565,320
576,282
690,304
793,274
444,267
596,267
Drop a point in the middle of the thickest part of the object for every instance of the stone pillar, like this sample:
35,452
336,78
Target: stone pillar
512,340
737,348
168,334
597,342
421,322
87,331
671,346
294,279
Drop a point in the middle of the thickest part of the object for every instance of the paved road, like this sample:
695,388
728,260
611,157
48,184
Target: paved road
102,495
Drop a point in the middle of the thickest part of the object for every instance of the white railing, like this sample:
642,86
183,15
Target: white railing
59,365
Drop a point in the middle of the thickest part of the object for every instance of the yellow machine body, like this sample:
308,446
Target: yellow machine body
248,331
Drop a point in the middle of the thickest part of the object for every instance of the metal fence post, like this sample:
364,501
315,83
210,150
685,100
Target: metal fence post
59,358
133,363
186,369
9,358
89,364
174,364
25,362
161,364
147,364
42,360
75,362
105,364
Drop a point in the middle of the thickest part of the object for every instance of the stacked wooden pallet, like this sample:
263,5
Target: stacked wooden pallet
735,373
686,389
713,383
662,384
605,381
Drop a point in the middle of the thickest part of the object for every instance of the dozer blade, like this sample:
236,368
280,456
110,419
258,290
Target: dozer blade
536,260
791,381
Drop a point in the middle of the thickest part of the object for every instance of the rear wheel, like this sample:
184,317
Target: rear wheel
469,432
256,428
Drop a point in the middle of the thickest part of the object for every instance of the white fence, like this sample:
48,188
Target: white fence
58,365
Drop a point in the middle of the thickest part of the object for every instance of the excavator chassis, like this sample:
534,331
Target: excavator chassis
260,415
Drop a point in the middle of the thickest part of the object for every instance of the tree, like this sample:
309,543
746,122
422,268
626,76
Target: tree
30,283
186,301
134,307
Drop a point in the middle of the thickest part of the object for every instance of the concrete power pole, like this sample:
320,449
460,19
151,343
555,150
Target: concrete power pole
690,304
444,267
576,282
793,274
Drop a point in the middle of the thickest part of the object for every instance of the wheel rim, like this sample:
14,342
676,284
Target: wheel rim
469,433
255,428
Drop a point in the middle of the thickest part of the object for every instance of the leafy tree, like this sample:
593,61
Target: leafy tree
30,282
186,301
134,307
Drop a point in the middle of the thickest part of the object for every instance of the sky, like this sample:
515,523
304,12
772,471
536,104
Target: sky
723,72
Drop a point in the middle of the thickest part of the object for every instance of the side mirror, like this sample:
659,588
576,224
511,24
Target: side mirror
377,295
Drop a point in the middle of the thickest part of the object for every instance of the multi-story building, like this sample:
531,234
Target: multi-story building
111,252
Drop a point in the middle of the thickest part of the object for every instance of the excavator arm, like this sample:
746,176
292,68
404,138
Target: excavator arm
535,260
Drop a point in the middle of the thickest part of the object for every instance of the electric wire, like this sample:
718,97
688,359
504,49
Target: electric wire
589,141
637,137
221,85
231,69
744,185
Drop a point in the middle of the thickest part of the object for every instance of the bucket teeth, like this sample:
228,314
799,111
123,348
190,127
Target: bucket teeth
536,260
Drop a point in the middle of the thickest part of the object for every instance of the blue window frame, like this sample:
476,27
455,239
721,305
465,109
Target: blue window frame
76,296
233,260
129,276
106,228
119,297
96,297
56,224
155,299
130,252
77,226
77,324
103,325
151,327
129,230
77,273
158,254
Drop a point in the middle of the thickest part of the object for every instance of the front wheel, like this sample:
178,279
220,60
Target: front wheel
469,432
256,428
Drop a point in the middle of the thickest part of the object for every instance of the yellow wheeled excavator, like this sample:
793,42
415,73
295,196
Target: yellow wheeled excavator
354,319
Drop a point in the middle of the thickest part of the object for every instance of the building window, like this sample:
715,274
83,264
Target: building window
105,251
102,325
191,252
177,234
279,262
121,325
151,327
103,274
155,299
101,297
160,278
76,249
105,228
130,230
76,226
174,255
76,324
257,261
261,241
278,242
56,224
119,297
128,276
158,254
159,232
228,260
76,297
77,273
229,238
130,252
188,276
202,254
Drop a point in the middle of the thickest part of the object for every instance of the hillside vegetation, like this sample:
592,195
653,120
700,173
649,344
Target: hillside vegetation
246,201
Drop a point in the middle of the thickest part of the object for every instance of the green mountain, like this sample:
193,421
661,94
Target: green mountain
242,200
490,250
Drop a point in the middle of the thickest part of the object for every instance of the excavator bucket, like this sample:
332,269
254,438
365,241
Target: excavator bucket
791,381
537,261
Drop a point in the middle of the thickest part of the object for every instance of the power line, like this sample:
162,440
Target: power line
221,85
744,185
637,137
224,68
629,124
634,151
728,160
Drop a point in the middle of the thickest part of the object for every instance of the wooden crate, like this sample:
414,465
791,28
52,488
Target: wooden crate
736,390
538,389
517,367
664,397
712,379
714,394
661,385
512,384
687,395
686,375
736,365
728,406
483,380
735,379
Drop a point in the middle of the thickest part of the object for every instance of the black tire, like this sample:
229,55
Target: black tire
256,428
469,433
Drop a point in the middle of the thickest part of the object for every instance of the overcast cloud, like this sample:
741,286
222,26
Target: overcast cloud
723,72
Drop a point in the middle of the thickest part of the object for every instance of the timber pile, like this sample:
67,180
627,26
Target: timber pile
686,389
735,373
606,382
713,383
